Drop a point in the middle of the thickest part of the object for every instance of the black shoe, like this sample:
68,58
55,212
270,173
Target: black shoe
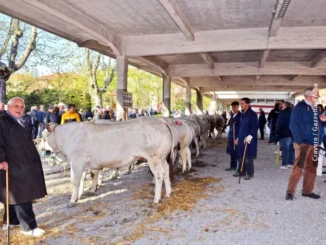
229,169
237,174
289,197
311,195
261,139
248,177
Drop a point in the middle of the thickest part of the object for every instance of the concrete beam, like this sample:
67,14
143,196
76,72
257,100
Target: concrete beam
156,63
263,58
294,78
209,60
318,60
251,81
309,37
64,11
278,15
178,17
246,69
257,88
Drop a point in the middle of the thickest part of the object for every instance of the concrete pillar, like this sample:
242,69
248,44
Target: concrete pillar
122,74
213,105
188,101
199,103
166,96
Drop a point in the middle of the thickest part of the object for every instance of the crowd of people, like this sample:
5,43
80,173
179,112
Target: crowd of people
298,130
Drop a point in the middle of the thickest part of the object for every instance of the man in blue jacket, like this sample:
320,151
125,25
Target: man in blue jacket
284,136
233,132
247,134
305,126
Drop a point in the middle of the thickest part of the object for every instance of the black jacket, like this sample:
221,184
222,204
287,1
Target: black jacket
25,169
283,124
34,118
106,115
52,117
28,122
262,119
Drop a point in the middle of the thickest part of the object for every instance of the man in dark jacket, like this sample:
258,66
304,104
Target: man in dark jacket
52,116
261,122
231,148
19,154
247,134
272,118
305,126
106,113
35,121
41,116
284,136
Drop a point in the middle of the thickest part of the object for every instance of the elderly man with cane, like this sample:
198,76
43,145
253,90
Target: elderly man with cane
26,179
247,140
233,131
306,129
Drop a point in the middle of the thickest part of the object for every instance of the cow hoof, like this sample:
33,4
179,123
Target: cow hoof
71,204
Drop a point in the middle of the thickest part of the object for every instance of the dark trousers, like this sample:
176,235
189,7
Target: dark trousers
234,160
21,214
261,129
248,166
34,132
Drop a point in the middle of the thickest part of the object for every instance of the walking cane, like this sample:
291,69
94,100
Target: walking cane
278,154
243,159
7,205
233,135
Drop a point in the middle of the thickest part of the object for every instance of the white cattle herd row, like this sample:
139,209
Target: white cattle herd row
105,144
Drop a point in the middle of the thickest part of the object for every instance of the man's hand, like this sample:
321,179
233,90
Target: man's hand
323,117
3,166
236,142
248,139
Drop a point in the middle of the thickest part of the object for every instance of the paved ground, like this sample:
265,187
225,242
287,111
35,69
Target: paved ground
254,212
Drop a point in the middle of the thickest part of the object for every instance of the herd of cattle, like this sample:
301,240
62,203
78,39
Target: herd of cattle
105,144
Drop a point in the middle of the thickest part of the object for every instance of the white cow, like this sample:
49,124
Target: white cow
204,127
95,146
184,135
195,126
216,122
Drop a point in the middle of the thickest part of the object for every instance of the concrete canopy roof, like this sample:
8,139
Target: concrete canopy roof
215,45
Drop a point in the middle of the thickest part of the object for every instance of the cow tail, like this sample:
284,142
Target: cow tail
170,156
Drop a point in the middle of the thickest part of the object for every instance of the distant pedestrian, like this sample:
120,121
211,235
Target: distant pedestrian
262,122
89,114
284,136
71,115
272,118
35,121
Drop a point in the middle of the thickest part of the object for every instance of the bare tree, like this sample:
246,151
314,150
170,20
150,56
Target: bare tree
97,91
16,57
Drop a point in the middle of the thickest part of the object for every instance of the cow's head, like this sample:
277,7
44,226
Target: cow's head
48,137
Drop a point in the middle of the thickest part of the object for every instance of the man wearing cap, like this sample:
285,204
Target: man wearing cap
233,131
71,115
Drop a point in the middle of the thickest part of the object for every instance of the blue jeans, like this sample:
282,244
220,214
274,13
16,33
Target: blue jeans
286,145
271,136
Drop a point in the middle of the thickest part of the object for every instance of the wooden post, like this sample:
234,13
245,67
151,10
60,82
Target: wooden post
122,73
